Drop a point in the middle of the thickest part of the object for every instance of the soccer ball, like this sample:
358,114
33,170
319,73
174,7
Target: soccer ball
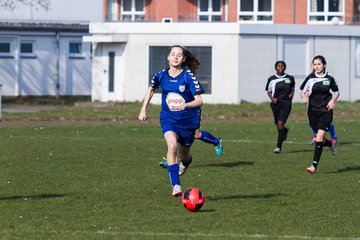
193,199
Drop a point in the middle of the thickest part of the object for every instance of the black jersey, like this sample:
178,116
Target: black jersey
281,87
319,91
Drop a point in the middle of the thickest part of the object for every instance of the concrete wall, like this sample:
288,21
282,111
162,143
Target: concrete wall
268,50
257,56
260,47
132,76
243,56
40,73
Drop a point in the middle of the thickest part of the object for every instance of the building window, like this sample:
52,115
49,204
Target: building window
75,50
209,10
255,10
326,11
111,76
132,10
356,16
5,49
157,62
27,49
112,10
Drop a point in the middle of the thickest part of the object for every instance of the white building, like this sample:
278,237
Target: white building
236,59
41,51
50,53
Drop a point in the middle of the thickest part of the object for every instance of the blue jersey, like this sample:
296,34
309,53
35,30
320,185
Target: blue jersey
176,91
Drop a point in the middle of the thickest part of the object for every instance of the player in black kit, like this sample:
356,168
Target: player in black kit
315,91
280,89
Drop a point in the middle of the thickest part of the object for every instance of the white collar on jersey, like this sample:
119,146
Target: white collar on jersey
320,76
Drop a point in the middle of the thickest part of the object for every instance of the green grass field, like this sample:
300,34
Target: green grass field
103,181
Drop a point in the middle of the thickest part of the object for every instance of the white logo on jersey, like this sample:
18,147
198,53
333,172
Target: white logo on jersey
174,99
181,88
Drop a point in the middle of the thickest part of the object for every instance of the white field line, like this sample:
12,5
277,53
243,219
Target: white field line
171,234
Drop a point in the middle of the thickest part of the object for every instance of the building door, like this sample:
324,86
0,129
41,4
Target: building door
8,66
113,87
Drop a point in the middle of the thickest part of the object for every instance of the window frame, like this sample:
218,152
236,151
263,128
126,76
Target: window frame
209,13
111,71
255,14
79,54
10,53
112,10
27,54
133,14
326,14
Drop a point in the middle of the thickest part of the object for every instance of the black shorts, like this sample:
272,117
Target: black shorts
281,111
320,120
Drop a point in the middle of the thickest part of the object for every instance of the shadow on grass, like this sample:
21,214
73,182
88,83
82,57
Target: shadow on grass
39,196
300,151
229,164
348,143
347,169
242,196
204,211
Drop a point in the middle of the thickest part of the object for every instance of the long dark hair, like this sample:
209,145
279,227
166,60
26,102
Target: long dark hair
190,60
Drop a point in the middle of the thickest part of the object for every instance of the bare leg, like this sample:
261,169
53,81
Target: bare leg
171,143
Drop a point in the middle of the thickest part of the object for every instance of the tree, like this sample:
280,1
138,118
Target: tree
33,4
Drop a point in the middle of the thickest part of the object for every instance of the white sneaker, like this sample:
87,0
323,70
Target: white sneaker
277,150
182,168
311,169
176,190
333,148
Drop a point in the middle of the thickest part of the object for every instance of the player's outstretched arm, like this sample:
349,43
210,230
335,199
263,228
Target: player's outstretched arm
148,95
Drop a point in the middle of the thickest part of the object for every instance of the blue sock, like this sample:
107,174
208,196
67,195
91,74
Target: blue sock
209,138
312,131
174,174
332,131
